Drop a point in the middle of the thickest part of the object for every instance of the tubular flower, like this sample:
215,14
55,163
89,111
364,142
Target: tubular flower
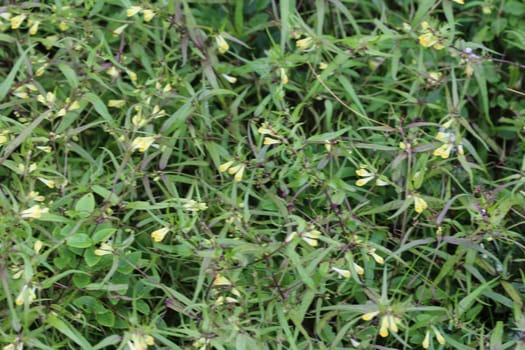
304,44
222,45
284,77
133,10
35,212
341,272
104,249
221,281
379,259
225,166
158,235
119,30
311,237
370,315
142,143
229,78
34,28
266,129
270,141
419,204
148,15
48,183
426,342
17,21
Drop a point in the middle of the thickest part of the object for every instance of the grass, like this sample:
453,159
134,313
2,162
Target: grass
262,174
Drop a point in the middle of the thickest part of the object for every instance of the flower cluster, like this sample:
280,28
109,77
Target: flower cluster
437,333
310,236
388,322
448,138
238,169
148,14
368,176
430,38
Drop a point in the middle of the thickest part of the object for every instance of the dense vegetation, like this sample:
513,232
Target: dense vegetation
257,174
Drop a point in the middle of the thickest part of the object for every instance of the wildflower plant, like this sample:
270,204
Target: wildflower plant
265,175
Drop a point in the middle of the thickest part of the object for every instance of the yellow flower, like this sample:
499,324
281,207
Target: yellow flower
119,30
35,212
377,258
270,141
40,71
104,249
158,235
381,182
367,177
37,246
304,44
311,237
221,44
265,129
363,172
116,103
140,341
3,138
142,143
419,204
238,170
439,337
229,78
221,281
194,206
17,21
46,149
383,330
426,341
443,151
73,106
34,196
48,183
225,166
459,1
63,26
113,72
427,39
26,295
133,10
148,15
341,272
323,66
238,174
362,182
358,269
370,315
284,77
132,75
34,28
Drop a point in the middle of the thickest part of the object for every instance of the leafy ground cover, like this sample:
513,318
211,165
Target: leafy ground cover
257,174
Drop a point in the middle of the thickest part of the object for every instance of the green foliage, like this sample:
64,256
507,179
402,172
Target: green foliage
262,174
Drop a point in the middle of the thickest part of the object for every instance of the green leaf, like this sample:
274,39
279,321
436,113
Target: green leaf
85,205
79,240
68,330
